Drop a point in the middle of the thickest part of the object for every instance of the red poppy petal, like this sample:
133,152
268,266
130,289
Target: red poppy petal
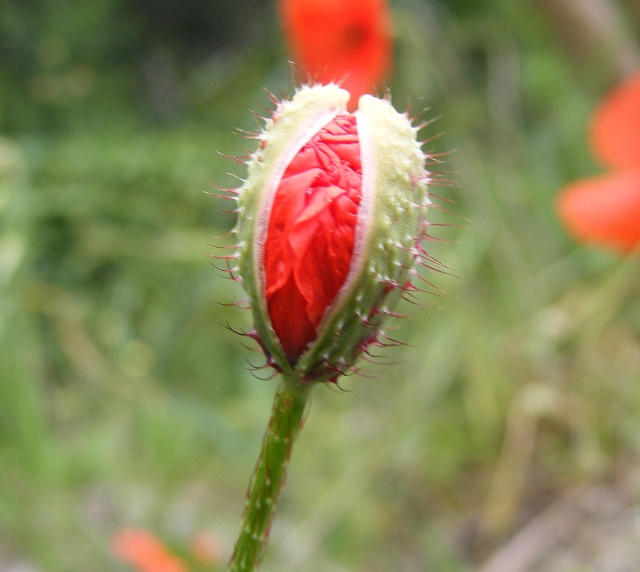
135,545
311,233
165,563
604,210
338,40
145,551
615,129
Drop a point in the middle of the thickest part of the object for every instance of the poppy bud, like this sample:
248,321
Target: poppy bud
329,220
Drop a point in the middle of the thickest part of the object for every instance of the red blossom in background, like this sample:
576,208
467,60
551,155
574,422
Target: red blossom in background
346,41
311,233
605,210
145,552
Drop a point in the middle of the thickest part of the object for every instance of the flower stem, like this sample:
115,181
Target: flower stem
269,474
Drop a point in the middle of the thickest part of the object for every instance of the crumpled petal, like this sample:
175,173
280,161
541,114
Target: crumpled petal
615,129
311,233
604,210
346,41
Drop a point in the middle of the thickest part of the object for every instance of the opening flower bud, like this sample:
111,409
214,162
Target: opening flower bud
328,223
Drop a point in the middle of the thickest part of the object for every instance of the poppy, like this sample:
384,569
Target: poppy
329,221
605,210
340,41
145,552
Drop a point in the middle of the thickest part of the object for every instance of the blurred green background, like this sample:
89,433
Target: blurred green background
506,437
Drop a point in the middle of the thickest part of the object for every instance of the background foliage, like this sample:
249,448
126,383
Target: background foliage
123,400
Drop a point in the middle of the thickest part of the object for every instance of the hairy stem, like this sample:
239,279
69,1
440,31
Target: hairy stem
269,474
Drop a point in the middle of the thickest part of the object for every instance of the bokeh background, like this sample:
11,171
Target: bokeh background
504,438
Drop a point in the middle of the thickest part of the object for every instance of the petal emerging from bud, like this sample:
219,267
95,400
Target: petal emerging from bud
328,223
311,232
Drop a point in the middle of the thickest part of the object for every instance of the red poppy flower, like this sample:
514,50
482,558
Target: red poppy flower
615,130
605,210
338,40
145,552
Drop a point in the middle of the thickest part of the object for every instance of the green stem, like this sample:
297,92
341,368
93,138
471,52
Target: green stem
269,474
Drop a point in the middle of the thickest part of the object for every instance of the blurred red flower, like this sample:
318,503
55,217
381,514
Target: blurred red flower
605,210
145,552
345,41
